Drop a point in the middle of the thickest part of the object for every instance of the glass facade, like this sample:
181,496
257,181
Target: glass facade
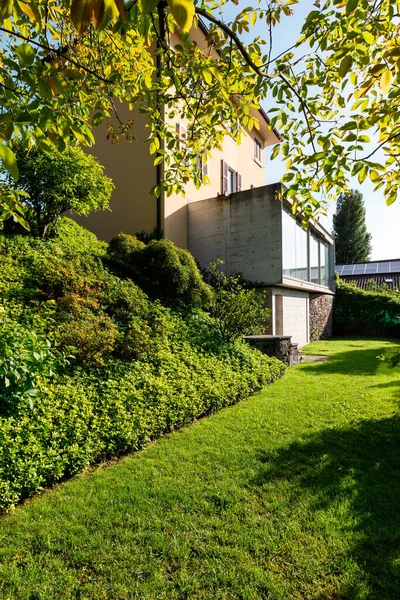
314,259
294,248
324,262
305,256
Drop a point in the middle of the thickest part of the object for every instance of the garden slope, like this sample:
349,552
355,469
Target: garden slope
90,368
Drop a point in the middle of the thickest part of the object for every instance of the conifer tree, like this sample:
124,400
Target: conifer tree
353,242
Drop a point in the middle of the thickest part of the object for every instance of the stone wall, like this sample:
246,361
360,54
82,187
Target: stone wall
321,316
273,345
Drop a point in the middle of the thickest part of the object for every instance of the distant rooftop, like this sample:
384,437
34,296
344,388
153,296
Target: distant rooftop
375,267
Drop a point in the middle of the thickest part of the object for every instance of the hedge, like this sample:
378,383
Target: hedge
363,312
89,417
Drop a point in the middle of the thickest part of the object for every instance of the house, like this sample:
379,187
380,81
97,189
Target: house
380,271
236,218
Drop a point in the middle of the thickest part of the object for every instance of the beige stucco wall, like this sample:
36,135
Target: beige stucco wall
131,168
133,172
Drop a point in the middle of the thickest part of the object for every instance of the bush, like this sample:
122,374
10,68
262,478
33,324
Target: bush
86,418
237,311
69,180
360,312
26,355
162,270
139,369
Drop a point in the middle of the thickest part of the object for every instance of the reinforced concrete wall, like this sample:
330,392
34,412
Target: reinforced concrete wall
244,230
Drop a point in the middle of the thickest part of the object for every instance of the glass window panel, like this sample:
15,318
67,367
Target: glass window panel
301,253
314,259
289,244
324,262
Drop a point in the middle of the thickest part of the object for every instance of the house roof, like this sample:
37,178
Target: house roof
381,271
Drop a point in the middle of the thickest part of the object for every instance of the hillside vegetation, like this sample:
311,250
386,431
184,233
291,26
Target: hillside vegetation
91,366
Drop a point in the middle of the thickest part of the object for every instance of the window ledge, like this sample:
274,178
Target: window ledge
259,163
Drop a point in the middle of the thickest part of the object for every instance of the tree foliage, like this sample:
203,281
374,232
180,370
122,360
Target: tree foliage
334,95
352,240
52,184
237,310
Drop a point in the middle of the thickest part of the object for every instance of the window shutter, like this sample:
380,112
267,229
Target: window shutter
224,177
205,167
238,182
181,134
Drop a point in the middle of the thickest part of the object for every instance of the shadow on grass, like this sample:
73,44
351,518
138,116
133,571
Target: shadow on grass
354,362
358,469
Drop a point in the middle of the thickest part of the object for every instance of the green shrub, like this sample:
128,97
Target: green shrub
139,369
26,355
54,183
237,310
161,269
85,418
360,312
89,336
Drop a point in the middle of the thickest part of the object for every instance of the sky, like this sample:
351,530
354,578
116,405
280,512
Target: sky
383,222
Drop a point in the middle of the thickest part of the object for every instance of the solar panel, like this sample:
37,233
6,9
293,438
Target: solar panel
347,270
384,267
395,266
358,269
371,269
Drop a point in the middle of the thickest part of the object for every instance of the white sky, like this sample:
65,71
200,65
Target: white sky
383,222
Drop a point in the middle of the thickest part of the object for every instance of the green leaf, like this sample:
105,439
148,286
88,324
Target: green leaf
26,55
374,176
368,37
207,76
9,161
147,6
390,199
351,6
386,81
6,8
183,13
345,65
363,174
84,11
45,89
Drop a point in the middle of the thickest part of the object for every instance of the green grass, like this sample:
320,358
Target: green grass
292,494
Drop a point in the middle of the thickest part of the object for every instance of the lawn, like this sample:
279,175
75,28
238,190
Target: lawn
291,494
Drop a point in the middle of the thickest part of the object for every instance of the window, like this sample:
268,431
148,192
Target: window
181,133
231,180
305,256
202,167
257,150
324,262
314,259
294,248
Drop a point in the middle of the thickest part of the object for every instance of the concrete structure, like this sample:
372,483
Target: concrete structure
249,231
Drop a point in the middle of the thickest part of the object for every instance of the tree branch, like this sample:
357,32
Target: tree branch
56,51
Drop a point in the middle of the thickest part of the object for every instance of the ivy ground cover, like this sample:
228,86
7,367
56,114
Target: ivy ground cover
293,493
